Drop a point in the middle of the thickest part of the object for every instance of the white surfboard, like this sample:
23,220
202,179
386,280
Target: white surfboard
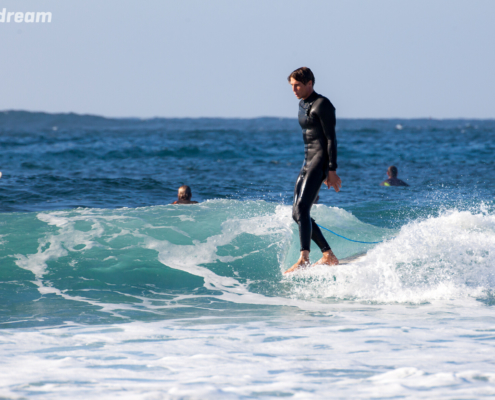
353,259
344,261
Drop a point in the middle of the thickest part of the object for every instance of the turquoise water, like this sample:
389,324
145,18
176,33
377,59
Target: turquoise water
108,291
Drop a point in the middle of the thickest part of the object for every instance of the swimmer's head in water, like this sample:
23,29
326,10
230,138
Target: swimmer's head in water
302,81
185,193
392,171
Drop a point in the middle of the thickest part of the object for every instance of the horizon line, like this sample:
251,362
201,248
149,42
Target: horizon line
240,118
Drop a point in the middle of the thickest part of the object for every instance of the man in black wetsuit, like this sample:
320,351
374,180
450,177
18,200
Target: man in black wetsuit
317,120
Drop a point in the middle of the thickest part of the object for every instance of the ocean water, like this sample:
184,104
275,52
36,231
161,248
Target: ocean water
108,291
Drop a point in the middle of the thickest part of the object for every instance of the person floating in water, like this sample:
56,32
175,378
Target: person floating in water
392,178
317,120
184,196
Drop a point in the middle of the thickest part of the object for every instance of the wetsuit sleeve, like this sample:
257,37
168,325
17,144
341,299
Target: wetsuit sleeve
326,113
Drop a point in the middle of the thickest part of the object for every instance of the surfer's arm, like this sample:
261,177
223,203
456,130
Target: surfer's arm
326,113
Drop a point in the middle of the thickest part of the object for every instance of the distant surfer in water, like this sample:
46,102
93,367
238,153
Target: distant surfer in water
392,180
184,196
317,120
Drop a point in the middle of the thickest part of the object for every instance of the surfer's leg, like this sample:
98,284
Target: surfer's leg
328,258
318,237
296,215
307,187
304,196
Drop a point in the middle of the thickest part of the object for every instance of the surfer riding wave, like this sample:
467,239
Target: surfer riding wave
317,120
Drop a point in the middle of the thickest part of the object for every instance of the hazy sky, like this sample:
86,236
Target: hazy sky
213,58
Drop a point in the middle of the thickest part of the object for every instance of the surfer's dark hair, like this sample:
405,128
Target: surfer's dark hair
392,170
185,193
303,75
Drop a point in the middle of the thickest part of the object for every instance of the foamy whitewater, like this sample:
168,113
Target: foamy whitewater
108,291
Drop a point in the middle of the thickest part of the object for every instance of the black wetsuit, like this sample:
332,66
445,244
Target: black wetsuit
317,120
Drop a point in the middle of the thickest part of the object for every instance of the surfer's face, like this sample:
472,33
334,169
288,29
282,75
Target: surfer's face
301,90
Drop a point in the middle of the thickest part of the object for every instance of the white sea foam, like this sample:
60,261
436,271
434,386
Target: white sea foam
443,352
445,257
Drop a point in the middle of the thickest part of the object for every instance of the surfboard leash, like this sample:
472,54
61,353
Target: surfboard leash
343,237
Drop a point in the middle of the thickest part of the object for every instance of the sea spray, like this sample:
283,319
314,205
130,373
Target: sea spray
446,257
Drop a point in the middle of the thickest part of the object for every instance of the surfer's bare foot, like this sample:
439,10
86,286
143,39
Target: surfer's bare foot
301,263
328,259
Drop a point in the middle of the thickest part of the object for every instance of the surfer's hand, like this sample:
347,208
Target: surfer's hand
333,180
